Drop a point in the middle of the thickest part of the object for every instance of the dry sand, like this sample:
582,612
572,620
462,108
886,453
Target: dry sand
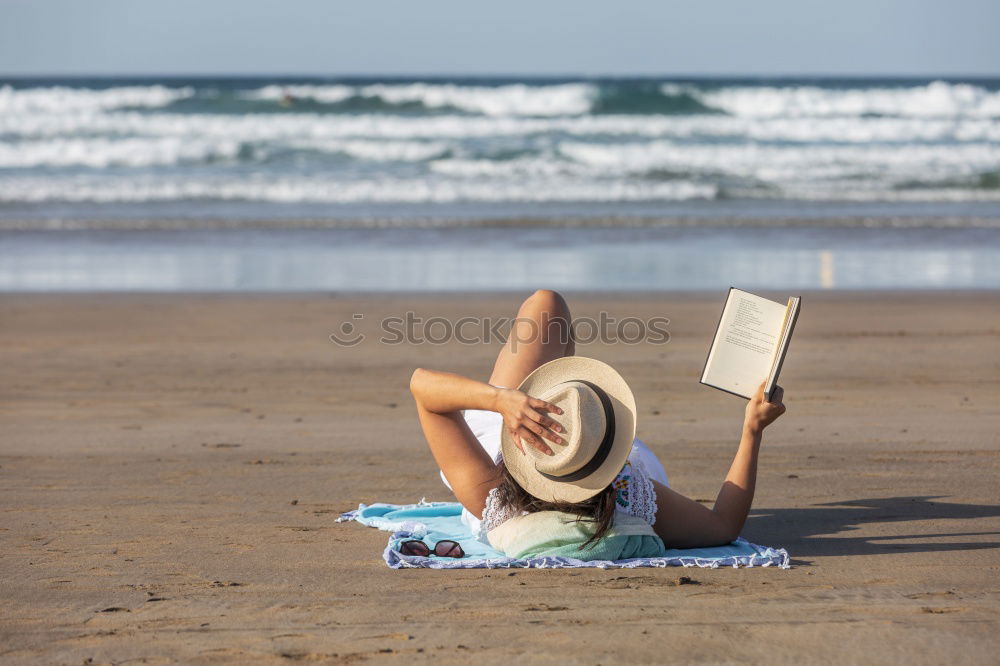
172,467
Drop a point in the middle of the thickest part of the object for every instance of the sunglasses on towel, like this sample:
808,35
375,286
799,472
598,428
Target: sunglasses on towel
445,548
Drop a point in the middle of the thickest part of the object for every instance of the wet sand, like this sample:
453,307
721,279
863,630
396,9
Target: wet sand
172,467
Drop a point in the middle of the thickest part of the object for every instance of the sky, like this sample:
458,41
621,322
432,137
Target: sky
534,37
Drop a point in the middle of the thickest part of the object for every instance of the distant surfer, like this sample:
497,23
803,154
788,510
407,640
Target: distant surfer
286,98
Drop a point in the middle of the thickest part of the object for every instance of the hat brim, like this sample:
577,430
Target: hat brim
544,377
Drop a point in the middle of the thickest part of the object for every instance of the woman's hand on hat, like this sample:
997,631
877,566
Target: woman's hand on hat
760,412
526,421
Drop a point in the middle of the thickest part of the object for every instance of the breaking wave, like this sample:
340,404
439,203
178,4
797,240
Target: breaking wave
64,99
317,190
507,100
449,141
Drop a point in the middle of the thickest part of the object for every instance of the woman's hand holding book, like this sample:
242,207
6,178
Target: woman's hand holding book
761,413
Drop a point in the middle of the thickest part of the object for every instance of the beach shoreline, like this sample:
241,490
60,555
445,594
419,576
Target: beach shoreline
850,255
173,465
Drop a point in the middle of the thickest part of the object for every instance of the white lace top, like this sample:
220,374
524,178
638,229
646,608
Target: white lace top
635,496
634,484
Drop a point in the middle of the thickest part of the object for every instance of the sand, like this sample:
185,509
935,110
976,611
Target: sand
172,466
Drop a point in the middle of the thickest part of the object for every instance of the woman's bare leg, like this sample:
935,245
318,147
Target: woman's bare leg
541,333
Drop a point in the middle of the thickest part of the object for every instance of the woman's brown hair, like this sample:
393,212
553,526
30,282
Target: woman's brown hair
599,509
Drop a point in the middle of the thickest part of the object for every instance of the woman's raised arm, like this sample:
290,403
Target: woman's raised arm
684,523
443,392
440,398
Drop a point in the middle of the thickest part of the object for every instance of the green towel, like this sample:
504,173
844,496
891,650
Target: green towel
558,534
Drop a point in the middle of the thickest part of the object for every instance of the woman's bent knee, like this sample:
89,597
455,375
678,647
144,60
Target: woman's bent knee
547,300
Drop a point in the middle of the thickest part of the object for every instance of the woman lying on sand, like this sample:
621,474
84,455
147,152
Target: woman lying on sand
553,467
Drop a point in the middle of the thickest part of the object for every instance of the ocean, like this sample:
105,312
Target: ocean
267,157
245,148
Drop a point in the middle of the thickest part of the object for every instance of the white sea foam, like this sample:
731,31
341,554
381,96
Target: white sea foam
419,191
260,127
508,100
105,152
379,151
324,94
522,167
785,165
102,152
937,99
313,190
64,99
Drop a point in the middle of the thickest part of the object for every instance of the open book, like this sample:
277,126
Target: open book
750,343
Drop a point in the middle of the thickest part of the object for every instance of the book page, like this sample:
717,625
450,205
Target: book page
743,351
792,314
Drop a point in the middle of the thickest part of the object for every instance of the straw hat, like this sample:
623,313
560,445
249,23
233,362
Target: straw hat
599,425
